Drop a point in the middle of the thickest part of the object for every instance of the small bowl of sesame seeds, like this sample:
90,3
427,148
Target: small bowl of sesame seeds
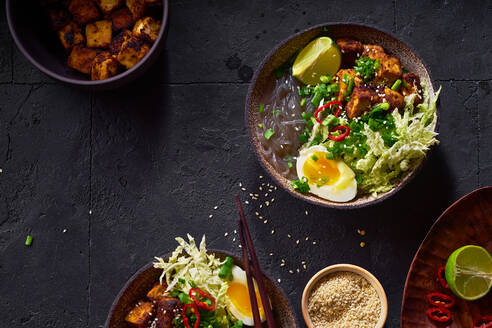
344,295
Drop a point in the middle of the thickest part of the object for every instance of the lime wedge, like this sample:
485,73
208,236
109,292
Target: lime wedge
320,57
469,272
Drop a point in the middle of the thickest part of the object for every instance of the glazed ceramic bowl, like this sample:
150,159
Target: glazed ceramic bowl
345,268
40,45
141,282
264,79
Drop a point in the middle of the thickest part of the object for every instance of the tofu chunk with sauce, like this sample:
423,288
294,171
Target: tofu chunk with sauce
99,34
167,309
361,100
147,29
104,66
58,17
83,11
70,36
81,59
390,67
118,41
137,8
343,82
140,315
122,19
132,51
107,6
157,292
393,98
411,85
350,49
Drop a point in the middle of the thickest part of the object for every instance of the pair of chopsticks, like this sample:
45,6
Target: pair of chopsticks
247,244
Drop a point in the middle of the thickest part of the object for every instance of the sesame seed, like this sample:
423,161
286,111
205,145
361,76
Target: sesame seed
362,244
260,217
240,184
314,243
297,241
243,189
266,195
298,270
216,207
303,262
256,195
256,213
362,232
234,239
261,205
307,212
271,254
246,202
307,238
291,272
260,188
240,246
283,260
235,231
282,264
64,230
279,281
267,203
226,234
261,176
210,216
265,222
273,199
90,212
289,235
305,267
1,170
273,231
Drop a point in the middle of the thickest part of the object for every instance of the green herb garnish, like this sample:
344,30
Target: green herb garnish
28,240
262,108
268,134
367,67
314,157
396,85
301,185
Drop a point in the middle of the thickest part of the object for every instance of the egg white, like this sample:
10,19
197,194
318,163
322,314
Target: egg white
343,190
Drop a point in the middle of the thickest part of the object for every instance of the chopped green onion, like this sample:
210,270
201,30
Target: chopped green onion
381,107
331,120
329,156
279,73
260,125
350,87
268,134
303,101
301,185
324,79
225,271
405,85
262,108
303,138
28,240
275,111
325,29
289,164
314,157
396,85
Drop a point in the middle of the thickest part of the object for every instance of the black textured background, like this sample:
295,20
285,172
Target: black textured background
153,159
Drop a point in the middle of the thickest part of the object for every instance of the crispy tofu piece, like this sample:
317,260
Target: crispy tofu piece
122,19
107,6
132,51
157,292
104,66
59,17
137,8
81,59
167,309
411,84
141,314
361,100
342,86
83,11
390,69
118,41
99,34
70,36
351,50
373,51
147,29
393,98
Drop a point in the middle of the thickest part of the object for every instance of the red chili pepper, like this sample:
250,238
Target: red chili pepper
439,314
442,277
483,322
342,136
328,105
186,320
204,296
440,300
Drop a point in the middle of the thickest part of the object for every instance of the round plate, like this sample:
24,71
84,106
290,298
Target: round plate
141,282
263,82
468,221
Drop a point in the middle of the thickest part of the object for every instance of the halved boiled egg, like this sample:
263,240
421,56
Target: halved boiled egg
238,295
329,179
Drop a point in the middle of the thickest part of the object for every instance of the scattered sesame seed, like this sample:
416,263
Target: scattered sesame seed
260,217
298,270
273,199
256,213
234,239
270,190
282,264
283,260
266,195
289,235
307,212
271,254
279,281
240,184
226,234
303,262
246,202
260,188
261,205
243,189
240,246
210,216
307,238
305,267
265,222
250,194
1,170
362,244
90,212
314,243
291,272
362,232
297,241
216,207
273,231
261,176
64,230
235,231
267,203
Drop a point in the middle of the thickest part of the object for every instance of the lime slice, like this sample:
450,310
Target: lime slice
320,57
469,272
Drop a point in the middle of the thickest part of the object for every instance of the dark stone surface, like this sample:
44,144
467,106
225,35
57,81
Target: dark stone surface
151,161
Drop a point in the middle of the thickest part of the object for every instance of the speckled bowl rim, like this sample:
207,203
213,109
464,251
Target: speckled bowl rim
312,199
350,268
89,83
210,250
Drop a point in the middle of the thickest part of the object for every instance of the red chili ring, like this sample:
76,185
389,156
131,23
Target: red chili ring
439,314
440,300
441,277
329,104
202,304
186,320
483,322
341,136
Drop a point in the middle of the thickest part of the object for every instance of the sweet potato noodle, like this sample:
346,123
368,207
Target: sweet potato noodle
282,114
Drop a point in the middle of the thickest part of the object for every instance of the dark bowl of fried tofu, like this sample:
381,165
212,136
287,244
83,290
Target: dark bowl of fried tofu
393,54
93,44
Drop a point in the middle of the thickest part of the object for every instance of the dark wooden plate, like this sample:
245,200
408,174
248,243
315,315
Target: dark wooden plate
263,82
468,221
137,286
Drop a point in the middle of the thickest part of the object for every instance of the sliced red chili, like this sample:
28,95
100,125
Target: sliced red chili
337,113
343,135
442,278
186,319
440,300
202,302
483,322
439,314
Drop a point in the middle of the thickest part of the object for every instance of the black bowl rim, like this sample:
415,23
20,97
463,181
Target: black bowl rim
167,255
316,201
88,83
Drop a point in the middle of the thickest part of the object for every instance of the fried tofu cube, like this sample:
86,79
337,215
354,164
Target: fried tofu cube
99,34
157,292
118,41
122,19
361,100
167,309
83,11
393,98
343,77
104,66
350,49
141,314
147,29
137,8
132,51
58,17
390,67
81,59
107,6
70,36
411,85
373,51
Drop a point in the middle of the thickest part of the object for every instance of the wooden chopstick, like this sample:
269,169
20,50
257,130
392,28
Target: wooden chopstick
256,266
251,286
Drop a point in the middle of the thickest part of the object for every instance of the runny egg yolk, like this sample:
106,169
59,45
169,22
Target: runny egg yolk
239,296
319,170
